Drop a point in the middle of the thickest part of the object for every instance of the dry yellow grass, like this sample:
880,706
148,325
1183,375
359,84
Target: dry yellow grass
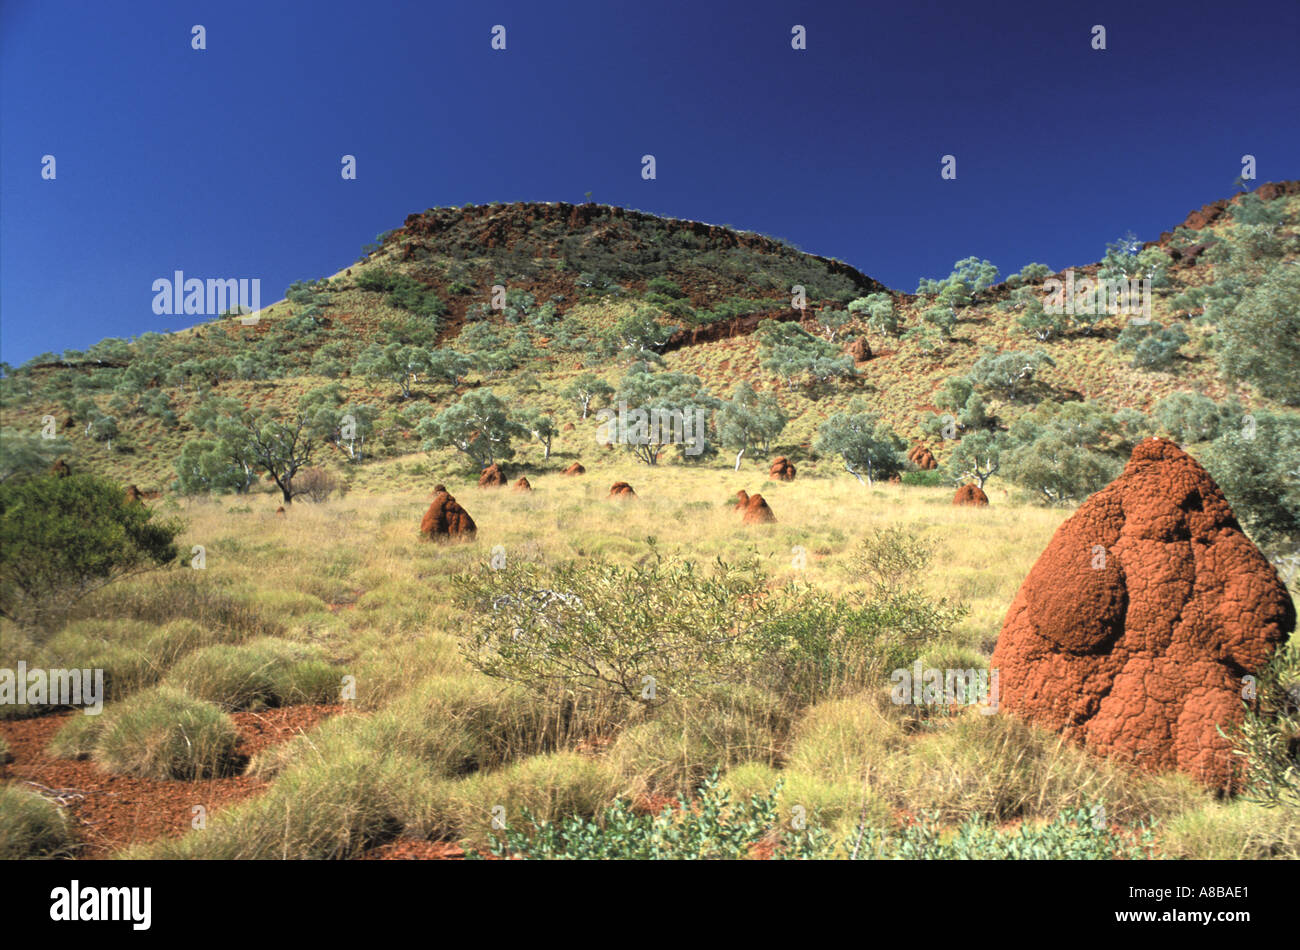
353,577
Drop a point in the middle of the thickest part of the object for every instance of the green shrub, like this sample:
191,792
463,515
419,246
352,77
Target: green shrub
710,827
643,633
1078,835
1255,461
61,538
928,479
32,827
160,733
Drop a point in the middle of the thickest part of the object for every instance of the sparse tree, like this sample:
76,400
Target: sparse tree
586,390
865,444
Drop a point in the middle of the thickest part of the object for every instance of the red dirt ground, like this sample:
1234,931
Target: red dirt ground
113,811
409,849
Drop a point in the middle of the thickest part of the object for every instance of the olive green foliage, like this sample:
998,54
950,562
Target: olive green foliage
1063,452
61,538
1077,835
709,827
864,444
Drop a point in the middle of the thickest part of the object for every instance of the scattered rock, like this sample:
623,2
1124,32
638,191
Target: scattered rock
971,494
523,485
757,511
492,477
621,490
447,519
923,458
782,469
575,469
1135,628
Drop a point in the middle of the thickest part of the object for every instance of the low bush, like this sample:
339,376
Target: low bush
1078,835
61,538
710,827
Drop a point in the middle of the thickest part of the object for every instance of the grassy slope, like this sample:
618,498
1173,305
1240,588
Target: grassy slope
900,382
352,577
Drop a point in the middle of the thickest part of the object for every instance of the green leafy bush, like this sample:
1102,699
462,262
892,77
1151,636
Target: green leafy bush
61,538
605,628
711,827
1078,835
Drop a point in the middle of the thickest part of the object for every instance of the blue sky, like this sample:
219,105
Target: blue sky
226,162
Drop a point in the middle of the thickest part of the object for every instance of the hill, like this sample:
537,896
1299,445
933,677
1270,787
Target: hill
534,295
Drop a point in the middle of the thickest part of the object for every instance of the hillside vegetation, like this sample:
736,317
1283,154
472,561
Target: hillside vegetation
584,656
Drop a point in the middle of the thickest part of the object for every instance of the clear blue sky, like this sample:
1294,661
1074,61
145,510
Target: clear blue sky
226,162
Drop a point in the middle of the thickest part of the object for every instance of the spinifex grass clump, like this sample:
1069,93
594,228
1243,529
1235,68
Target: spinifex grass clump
31,826
710,827
267,672
159,733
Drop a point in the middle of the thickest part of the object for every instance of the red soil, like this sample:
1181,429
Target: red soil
112,811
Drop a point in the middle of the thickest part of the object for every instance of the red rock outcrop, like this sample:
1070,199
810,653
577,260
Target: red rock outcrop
492,477
971,494
923,458
621,490
757,511
523,485
446,519
860,350
1135,628
782,469
575,469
